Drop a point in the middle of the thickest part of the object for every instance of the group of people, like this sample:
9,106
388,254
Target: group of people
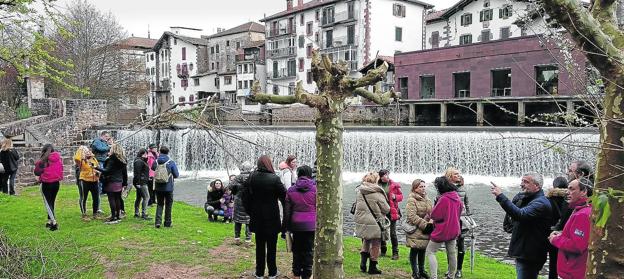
102,168
436,223
555,225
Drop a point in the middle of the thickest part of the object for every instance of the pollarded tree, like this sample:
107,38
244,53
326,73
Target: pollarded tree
335,88
596,31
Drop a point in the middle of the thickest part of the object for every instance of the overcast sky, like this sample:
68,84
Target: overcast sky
136,15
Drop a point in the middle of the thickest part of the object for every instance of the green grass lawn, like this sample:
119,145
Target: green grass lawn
193,247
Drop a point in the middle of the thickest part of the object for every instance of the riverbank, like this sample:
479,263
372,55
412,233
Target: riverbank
192,248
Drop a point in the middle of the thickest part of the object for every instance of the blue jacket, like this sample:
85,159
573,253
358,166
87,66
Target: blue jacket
100,149
531,226
172,169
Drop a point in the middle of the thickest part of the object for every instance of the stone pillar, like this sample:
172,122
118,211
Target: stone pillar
35,88
412,113
570,109
480,118
442,114
521,113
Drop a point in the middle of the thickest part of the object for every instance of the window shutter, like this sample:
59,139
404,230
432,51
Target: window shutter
403,13
500,13
509,10
481,16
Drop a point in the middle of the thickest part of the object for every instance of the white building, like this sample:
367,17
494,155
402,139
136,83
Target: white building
355,31
176,60
250,67
472,21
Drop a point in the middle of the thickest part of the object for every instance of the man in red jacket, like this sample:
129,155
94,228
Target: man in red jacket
394,196
573,241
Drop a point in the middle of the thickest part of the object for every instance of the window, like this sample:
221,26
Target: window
398,34
505,12
427,87
351,10
505,33
309,29
196,81
216,82
465,39
292,68
309,77
398,10
329,36
301,41
275,67
147,71
152,57
240,84
309,50
212,50
190,66
501,82
301,64
485,15
181,99
218,68
212,66
238,45
403,86
291,25
547,78
317,15
246,84
183,53
184,83
461,82
175,41
191,98
485,35
152,70
466,19
227,43
351,35
239,69
217,48
227,80
328,15
275,89
435,39
301,19
316,37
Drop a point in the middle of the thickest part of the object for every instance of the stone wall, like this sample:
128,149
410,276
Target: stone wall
54,108
28,157
19,127
7,113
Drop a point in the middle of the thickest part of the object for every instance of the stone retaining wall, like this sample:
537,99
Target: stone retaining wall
28,157
353,114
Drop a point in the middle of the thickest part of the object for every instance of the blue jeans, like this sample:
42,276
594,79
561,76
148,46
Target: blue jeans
527,269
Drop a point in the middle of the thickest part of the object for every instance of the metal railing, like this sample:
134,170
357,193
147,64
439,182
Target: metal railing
281,52
339,17
281,73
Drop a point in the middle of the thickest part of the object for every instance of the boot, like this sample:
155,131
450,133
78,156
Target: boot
372,268
395,255
363,259
384,249
422,273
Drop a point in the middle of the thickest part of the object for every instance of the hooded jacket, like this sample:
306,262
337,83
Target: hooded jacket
151,158
417,208
394,188
366,226
114,170
445,215
87,168
214,195
263,189
9,159
172,169
238,186
300,206
531,226
52,171
141,172
573,244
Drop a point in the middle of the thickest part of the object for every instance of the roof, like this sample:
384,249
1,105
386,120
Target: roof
137,42
247,27
190,40
459,6
317,3
377,62
254,44
187,28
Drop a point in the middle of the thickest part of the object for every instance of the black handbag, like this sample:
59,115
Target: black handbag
429,228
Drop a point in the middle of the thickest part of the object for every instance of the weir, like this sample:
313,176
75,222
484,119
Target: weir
496,153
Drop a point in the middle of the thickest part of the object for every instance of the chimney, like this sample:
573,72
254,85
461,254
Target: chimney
289,5
300,4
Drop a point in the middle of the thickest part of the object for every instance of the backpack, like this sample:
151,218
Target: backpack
162,174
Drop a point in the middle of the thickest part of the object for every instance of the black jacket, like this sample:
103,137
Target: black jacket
114,170
213,198
141,172
262,191
531,226
9,159
561,211
238,186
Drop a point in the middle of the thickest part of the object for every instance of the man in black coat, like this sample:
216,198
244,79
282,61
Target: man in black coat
531,225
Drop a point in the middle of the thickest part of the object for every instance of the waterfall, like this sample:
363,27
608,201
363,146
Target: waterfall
487,153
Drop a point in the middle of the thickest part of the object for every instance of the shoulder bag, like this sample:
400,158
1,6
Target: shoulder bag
407,227
383,222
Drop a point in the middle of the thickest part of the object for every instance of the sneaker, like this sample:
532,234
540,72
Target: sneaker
274,276
54,227
111,221
146,217
247,240
237,240
48,225
100,211
157,226
136,215
458,274
122,214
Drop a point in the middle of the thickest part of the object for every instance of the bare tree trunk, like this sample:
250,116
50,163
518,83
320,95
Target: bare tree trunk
328,252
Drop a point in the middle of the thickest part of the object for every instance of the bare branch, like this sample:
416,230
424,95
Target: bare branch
300,96
382,99
372,77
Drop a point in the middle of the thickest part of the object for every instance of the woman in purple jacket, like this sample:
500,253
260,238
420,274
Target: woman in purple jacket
300,220
445,218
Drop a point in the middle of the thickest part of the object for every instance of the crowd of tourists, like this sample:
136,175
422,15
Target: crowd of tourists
270,203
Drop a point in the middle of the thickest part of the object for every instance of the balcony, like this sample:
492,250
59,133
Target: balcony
247,57
341,42
282,52
343,53
341,17
282,74
282,30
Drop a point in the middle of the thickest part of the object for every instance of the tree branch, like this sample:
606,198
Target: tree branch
320,76
586,31
372,77
300,96
604,12
382,99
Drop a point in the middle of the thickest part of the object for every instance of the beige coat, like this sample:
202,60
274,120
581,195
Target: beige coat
365,225
416,209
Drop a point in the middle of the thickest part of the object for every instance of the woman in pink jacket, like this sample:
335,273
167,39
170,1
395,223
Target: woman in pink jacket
445,220
49,169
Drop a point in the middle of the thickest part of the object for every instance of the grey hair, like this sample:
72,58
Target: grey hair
246,166
536,177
